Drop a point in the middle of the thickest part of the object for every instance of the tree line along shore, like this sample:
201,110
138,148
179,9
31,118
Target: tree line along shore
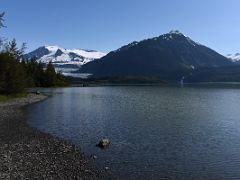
17,73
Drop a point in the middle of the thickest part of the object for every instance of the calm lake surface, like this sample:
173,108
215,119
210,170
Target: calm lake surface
155,132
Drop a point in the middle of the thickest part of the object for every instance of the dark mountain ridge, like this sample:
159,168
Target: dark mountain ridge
168,57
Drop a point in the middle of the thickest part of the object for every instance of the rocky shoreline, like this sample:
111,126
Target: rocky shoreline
26,153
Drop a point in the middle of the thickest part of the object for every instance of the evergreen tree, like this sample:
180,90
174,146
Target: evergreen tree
1,19
50,75
35,73
12,75
1,25
14,51
40,75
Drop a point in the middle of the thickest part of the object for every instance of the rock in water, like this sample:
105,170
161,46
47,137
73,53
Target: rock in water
94,157
104,143
38,92
107,168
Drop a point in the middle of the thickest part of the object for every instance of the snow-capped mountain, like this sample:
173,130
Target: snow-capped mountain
63,57
234,57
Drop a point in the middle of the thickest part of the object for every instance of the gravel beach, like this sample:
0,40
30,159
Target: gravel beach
26,153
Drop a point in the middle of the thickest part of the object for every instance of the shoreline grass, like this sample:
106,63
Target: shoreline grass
4,98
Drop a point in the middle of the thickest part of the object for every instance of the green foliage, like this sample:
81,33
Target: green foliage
12,75
50,75
15,76
38,77
61,81
35,73
9,97
14,51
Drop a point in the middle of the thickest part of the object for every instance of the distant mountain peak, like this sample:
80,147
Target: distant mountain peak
168,36
177,35
172,35
52,48
59,55
175,32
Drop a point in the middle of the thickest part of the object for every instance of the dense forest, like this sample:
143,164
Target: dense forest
17,74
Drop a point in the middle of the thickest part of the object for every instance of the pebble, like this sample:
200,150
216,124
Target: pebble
34,153
107,168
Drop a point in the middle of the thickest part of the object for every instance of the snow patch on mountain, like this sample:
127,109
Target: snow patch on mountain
61,56
234,57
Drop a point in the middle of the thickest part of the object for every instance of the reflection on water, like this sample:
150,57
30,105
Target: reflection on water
155,132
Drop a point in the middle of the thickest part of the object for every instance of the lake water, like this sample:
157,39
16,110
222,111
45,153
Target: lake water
155,132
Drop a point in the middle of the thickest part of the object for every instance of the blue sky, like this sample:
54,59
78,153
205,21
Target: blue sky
106,25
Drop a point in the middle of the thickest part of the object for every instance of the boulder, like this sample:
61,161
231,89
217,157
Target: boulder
104,143
107,168
37,93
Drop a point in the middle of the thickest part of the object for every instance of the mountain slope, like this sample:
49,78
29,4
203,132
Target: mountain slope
168,57
61,56
215,74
